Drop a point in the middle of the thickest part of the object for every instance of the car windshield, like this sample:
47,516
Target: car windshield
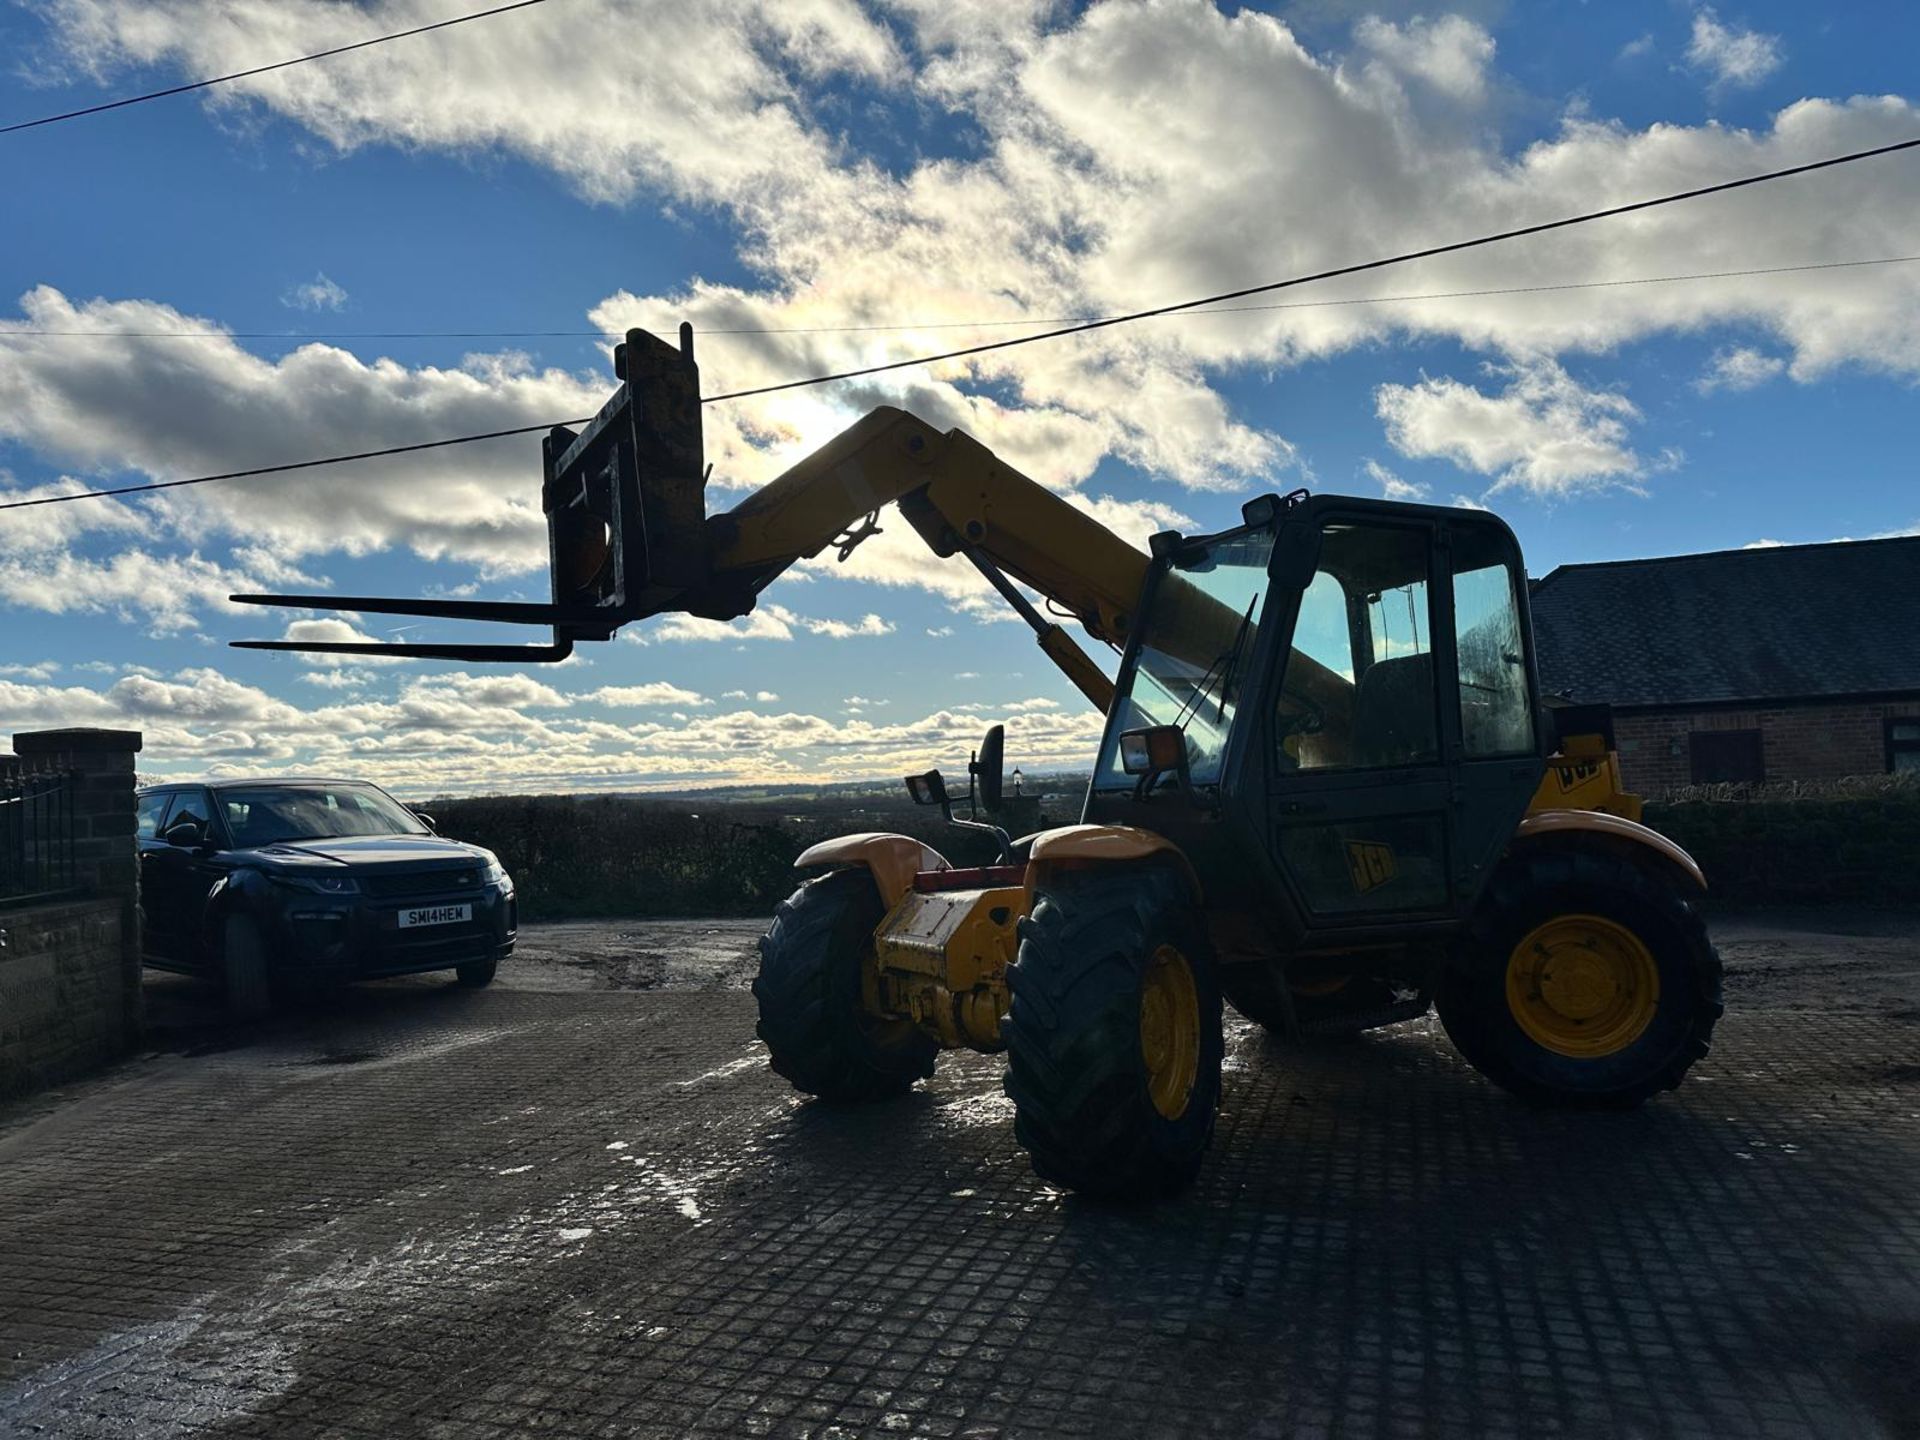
1194,654
270,814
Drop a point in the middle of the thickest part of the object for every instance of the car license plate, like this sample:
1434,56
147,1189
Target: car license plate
435,915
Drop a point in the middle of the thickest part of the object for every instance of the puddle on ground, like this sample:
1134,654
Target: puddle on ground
732,1067
988,1107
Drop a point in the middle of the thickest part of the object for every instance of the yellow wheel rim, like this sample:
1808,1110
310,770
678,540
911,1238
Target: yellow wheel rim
1170,1031
1582,986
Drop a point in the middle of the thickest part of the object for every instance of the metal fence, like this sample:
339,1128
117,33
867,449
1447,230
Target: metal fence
36,837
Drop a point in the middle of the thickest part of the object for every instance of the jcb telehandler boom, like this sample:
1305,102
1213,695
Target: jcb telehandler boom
1328,790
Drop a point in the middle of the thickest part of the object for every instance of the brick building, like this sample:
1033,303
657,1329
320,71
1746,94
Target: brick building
1791,662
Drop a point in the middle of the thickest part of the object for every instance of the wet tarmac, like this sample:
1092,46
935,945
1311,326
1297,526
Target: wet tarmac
578,1203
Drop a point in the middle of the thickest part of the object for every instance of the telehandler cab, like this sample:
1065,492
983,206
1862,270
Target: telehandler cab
1328,790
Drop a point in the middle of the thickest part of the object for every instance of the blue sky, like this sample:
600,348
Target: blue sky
589,164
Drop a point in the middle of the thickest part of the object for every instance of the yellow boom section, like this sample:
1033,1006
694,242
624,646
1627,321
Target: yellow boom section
962,499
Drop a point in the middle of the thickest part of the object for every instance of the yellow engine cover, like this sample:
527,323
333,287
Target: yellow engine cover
942,957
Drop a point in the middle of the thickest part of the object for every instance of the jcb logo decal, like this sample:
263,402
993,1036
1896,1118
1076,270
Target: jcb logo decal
1572,777
1371,864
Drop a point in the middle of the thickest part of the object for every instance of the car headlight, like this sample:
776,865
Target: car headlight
321,884
497,875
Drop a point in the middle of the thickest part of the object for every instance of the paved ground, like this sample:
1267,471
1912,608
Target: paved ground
560,1207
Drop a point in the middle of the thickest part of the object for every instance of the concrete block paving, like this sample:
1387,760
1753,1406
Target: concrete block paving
438,1212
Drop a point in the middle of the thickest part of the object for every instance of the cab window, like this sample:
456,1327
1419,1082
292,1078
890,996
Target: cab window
1496,708
1359,688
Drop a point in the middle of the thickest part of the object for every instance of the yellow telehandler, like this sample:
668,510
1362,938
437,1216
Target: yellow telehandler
1328,791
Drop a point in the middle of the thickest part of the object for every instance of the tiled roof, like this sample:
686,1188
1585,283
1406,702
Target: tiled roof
1776,622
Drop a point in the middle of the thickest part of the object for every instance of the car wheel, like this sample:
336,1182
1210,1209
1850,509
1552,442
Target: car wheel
244,968
477,974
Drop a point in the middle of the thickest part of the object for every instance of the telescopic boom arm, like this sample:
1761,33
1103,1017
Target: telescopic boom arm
628,537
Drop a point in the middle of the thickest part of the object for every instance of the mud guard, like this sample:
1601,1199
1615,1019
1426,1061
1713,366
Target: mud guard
1646,842
893,859
1088,845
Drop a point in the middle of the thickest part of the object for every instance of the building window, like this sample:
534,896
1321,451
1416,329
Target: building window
1903,746
1723,756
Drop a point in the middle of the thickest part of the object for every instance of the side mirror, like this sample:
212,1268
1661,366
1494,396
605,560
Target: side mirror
427,820
927,789
1150,753
987,765
187,834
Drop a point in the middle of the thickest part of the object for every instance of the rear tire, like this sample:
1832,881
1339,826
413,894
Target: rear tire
243,963
1113,1036
477,974
1639,981
812,1015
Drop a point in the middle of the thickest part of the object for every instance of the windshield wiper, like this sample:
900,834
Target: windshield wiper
1228,663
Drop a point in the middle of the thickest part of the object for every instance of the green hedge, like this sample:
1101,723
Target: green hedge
1853,841
583,855
1847,841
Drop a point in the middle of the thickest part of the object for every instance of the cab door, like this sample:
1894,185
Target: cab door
1405,724
1360,803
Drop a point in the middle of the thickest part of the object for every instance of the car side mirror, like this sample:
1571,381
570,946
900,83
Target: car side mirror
987,766
427,820
927,789
187,834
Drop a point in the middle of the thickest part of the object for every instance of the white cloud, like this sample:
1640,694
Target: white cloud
1392,487
1544,433
1450,53
463,733
1731,55
209,405
40,670
766,622
1119,153
765,697
338,679
654,692
843,630
333,630
1739,367
319,293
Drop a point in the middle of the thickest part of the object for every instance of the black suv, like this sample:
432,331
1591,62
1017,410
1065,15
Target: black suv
297,886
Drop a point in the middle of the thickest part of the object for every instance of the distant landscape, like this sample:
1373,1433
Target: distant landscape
731,852
717,852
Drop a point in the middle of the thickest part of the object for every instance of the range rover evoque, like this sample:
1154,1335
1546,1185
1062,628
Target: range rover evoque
294,887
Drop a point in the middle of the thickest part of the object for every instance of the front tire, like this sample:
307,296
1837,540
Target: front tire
477,974
812,1011
243,963
1113,1037
1583,979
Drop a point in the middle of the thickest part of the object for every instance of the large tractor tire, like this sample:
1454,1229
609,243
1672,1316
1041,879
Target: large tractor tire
1582,979
812,1018
1113,1036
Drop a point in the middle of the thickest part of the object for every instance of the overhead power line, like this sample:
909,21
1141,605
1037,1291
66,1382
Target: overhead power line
125,101
902,326
1054,334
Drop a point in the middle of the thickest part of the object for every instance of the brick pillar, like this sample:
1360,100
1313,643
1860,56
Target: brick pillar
106,860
